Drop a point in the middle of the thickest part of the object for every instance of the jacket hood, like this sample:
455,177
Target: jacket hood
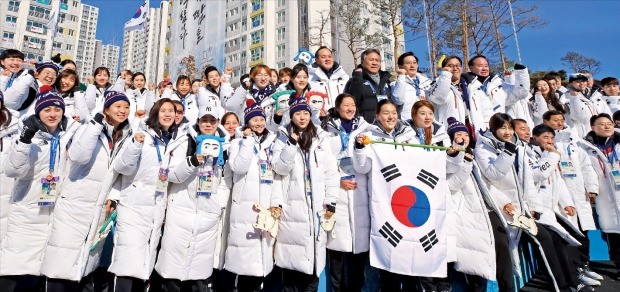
489,139
333,124
592,138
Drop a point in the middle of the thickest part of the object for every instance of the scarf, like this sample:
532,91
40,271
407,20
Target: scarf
261,94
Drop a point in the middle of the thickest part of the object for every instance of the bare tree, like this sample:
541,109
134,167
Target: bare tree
354,24
320,29
578,62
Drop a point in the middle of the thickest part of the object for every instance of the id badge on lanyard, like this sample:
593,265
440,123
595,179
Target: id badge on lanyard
49,183
345,167
615,174
567,168
161,187
204,187
265,170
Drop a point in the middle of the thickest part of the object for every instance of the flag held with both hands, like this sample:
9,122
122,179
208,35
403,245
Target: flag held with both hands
408,210
139,18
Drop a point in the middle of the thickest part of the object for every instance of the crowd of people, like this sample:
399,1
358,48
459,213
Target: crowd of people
199,186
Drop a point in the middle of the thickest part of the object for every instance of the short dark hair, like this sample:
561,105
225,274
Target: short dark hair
382,103
181,78
553,75
448,58
228,114
401,58
153,120
473,59
298,68
609,81
498,120
541,129
515,121
138,74
67,61
550,113
286,71
616,116
12,53
316,53
209,69
596,117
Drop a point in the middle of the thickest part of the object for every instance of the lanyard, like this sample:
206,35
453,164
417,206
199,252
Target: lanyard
415,82
568,150
157,148
10,82
268,152
344,138
374,89
53,149
613,158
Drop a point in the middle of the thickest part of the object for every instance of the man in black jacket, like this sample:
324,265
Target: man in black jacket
369,84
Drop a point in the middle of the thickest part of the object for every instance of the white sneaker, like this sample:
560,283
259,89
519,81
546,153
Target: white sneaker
584,279
591,274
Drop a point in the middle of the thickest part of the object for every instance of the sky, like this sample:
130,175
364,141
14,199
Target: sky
589,27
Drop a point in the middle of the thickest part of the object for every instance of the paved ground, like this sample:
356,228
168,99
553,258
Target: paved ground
604,268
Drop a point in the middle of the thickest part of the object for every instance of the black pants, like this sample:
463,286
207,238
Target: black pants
554,247
221,280
60,285
174,285
246,283
21,283
396,282
613,241
503,256
579,255
295,281
128,284
346,270
437,284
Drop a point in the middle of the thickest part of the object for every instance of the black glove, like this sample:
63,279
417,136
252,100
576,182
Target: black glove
519,67
193,160
98,118
511,147
31,126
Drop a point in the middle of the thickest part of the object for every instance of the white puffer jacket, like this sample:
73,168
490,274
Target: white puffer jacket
208,101
140,211
188,242
91,102
607,202
28,224
300,244
353,219
470,219
24,86
332,85
581,109
189,103
8,135
81,204
517,86
613,102
584,181
448,102
405,94
249,250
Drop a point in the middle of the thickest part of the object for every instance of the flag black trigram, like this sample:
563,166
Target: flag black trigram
428,178
390,172
390,234
429,240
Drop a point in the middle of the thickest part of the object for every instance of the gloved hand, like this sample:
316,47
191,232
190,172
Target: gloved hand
30,129
98,118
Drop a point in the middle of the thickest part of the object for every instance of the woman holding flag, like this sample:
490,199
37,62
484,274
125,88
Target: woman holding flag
353,224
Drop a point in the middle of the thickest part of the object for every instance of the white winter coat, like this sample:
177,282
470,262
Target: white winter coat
404,92
581,109
517,95
236,102
608,199
613,102
332,85
8,135
139,100
28,224
470,219
189,238
300,244
91,102
24,86
209,101
140,211
585,181
353,219
249,250
80,208
448,102
189,102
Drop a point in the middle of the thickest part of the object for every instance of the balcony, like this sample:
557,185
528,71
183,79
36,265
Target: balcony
256,45
233,48
256,12
257,62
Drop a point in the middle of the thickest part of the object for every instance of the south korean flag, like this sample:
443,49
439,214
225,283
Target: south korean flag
408,211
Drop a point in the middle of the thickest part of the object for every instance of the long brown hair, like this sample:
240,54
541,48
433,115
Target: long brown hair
66,73
305,140
5,115
428,132
550,97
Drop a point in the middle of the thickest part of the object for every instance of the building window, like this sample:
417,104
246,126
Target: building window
14,6
280,51
69,47
280,65
281,16
39,12
257,20
11,19
257,54
257,4
257,37
281,32
7,36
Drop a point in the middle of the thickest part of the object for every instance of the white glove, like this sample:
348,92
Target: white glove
265,221
521,221
328,224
